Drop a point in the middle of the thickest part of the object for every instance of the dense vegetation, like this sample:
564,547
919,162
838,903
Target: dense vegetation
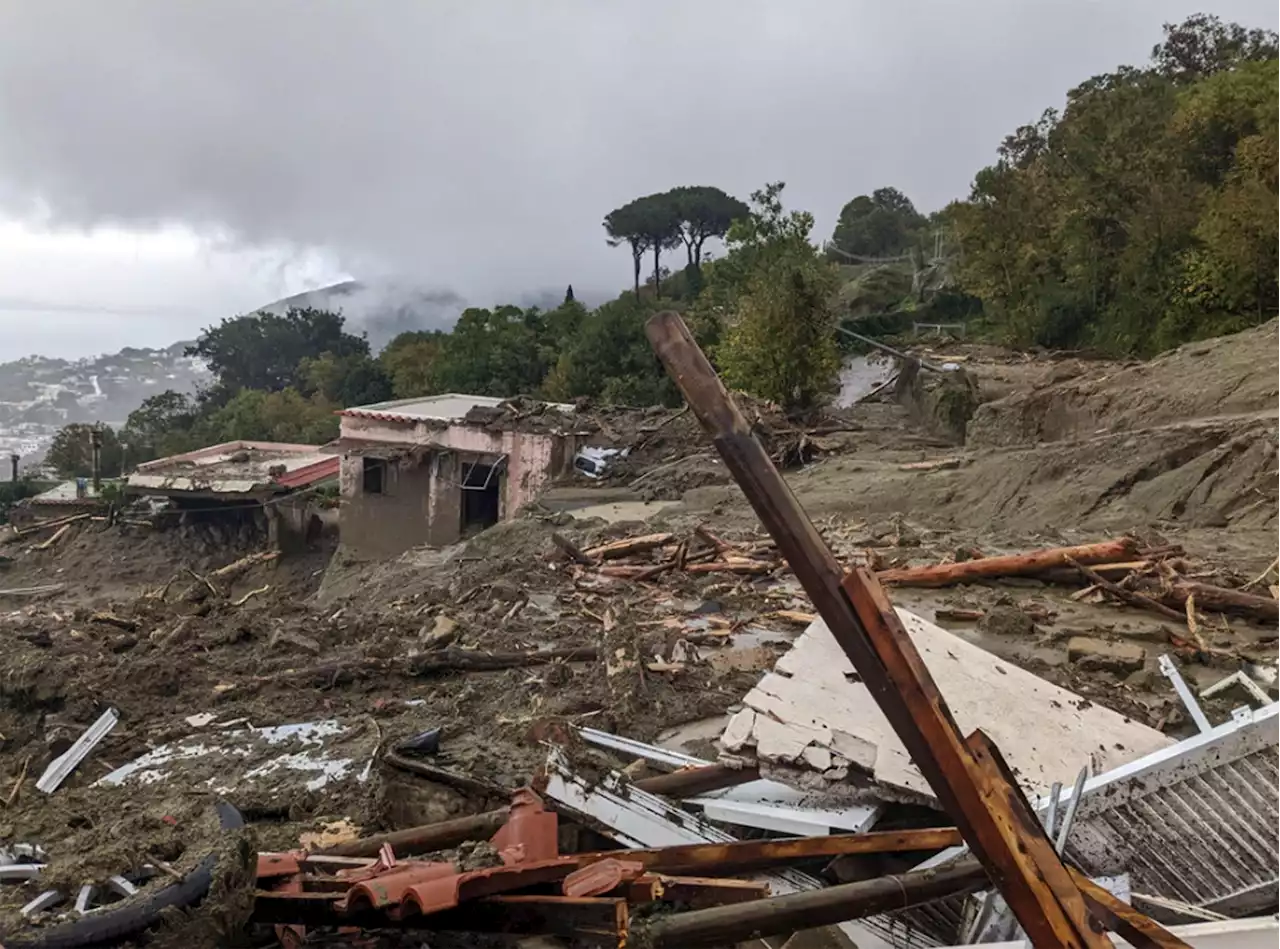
1142,215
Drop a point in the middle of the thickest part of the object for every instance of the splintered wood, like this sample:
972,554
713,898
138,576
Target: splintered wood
967,777
651,556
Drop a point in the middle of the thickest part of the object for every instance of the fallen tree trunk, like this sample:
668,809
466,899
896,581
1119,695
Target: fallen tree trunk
1223,600
1014,565
244,563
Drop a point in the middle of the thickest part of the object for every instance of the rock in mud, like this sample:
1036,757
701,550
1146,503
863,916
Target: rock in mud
1092,654
1007,621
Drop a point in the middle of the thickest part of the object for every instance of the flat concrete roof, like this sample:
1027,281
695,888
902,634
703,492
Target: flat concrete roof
236,468
448,407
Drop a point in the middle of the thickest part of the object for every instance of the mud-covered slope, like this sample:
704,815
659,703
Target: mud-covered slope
1226,376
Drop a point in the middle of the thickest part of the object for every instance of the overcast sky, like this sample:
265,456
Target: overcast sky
164,164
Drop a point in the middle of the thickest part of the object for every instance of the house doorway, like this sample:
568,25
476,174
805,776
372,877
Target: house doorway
481,497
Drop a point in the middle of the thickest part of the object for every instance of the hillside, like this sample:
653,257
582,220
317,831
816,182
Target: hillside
38,395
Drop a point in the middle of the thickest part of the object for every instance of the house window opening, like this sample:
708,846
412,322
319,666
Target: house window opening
481,499
374,476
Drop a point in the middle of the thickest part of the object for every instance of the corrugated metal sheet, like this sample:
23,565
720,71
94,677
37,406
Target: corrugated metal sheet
1200,829
1195,822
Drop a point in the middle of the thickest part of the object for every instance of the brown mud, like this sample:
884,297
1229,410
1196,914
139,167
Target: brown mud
1063,451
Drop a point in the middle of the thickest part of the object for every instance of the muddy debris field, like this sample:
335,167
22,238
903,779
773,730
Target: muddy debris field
331,697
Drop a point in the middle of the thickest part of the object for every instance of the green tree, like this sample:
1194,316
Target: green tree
284,415
11,492
883,224
1230,126
356,379
610,358
71,452
703,212
781,345
410,361
1202,45
491,352
264,350
163,425
625,225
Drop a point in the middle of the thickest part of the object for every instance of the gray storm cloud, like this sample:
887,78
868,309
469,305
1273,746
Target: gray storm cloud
476,146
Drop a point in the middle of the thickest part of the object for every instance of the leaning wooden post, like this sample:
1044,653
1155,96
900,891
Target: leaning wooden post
1014,849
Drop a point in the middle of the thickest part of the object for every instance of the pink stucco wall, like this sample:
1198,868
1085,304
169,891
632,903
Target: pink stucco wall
532,459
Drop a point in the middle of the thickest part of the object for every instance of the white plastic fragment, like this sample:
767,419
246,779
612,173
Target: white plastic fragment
1170,672
20,871
61,767
122,886
46,900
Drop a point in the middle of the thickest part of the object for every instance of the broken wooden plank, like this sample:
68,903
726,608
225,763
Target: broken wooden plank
53,538
629,546
1141,931
1013,565
905,692
998,823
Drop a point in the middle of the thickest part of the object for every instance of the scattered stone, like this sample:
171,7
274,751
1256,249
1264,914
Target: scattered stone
1007,621
444,632
295,639
1092,654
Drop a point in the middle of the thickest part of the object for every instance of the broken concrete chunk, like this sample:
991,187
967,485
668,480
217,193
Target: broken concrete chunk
1100,655
738,732
817,758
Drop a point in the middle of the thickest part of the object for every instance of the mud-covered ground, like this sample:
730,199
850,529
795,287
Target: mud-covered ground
1064,451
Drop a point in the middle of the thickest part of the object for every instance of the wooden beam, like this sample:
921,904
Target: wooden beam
740,856
726,925
691,782
1141,931
886,660
1001,828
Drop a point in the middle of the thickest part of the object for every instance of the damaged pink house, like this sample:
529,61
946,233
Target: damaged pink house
431,470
